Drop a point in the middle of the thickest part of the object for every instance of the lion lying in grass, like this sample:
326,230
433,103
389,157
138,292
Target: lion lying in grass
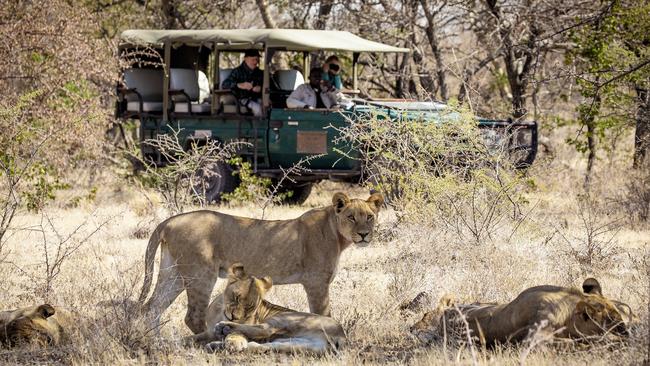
41,325
254,324
556,311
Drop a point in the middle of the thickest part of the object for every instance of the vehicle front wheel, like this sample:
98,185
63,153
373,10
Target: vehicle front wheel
299,194
215,180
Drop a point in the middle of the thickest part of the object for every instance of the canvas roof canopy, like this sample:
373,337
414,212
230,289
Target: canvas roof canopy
289,39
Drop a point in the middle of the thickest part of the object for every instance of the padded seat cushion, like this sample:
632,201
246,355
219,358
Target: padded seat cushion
231,108
289,79
147,82
196,107
223,75
186,80
146,106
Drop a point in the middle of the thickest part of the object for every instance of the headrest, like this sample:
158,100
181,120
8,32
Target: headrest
223,75
147,82
185,79
289,79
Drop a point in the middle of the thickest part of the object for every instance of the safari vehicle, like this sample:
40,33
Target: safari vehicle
178,93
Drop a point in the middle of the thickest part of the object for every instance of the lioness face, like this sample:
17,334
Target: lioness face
595,316
356,218
31,325
243,295
426,329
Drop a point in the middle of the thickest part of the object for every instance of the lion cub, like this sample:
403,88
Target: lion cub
255,324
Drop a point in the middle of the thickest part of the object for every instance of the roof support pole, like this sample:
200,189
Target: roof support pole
216,83
167,59
266,87
355,60
305,64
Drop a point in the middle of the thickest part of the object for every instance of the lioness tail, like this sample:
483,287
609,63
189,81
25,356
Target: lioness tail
149,257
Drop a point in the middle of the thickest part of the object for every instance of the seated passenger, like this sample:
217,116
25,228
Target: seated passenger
246,82
331,70
313,94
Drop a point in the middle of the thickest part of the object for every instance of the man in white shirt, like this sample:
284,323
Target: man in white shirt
315,94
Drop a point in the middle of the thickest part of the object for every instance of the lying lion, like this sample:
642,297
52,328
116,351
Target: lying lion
198,247
557,311
254,324
41,325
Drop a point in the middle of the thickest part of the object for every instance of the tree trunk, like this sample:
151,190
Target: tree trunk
401,85
590,122
269,22
591,148
642,133
169,12
430,31
323,14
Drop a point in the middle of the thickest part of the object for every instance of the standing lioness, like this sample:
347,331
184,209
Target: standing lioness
198,247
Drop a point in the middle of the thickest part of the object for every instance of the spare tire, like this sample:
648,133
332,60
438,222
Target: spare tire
299,194
215,180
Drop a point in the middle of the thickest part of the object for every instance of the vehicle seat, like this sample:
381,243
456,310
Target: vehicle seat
283,83
185,91
148,85
289,80
228,101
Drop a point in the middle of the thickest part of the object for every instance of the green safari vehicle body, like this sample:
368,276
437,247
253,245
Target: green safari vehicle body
280,137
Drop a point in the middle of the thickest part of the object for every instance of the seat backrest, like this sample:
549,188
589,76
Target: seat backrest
289,79
147,82
185,79
223,75
204,87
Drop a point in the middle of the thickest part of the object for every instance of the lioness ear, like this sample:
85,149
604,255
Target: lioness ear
340,200
45,310
447,301
266,283
376,200
236,271
592,286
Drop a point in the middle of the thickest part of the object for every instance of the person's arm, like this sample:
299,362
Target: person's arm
331,97
297,98
338,84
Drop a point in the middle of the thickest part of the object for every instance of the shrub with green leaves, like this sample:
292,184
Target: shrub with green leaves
437,168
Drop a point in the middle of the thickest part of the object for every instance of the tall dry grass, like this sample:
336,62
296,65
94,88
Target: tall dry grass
549,246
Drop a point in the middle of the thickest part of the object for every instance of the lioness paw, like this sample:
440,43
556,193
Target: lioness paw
223,328
236,342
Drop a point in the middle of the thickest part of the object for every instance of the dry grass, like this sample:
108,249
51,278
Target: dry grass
371,284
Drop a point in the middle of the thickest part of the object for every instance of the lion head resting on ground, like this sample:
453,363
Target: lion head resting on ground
198,247
558,311
40,325
254,324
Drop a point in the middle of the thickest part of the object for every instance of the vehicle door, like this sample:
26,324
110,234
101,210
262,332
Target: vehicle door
297,133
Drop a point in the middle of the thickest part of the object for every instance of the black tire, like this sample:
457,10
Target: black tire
215,180
299,194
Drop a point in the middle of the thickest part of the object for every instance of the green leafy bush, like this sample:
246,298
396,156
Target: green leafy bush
439,169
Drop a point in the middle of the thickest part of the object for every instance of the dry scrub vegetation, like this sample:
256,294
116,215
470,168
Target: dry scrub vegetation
95,254
483,234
